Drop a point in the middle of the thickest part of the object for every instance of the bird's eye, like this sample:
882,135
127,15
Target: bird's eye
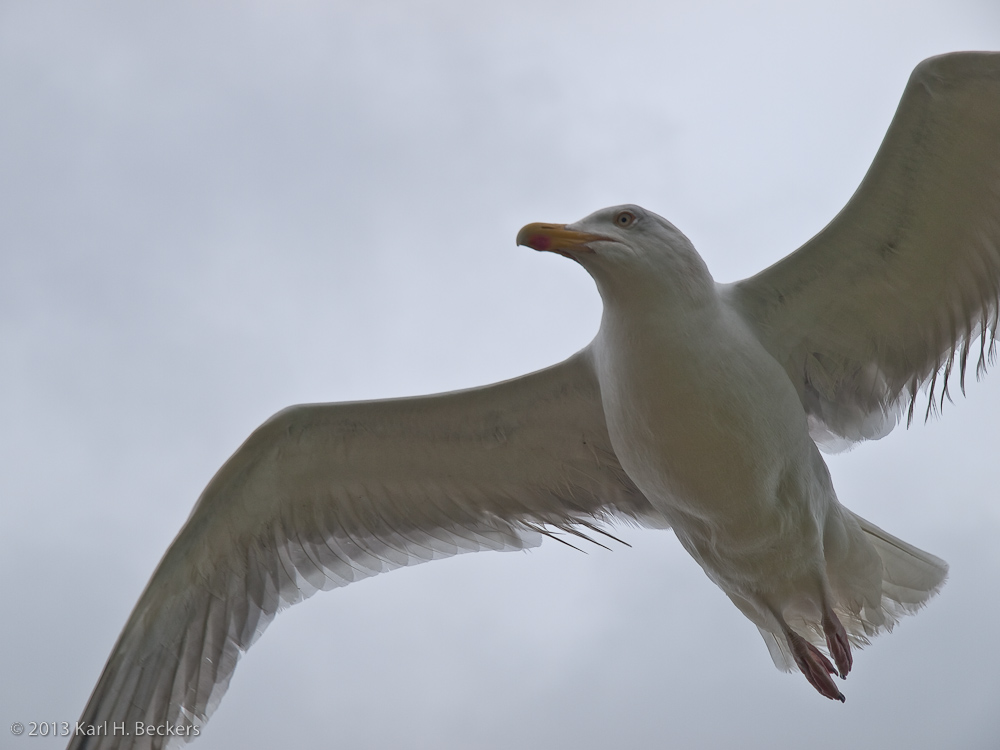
624,218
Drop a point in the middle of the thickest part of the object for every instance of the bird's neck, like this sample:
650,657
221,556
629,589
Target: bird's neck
680,301
666,321
675,283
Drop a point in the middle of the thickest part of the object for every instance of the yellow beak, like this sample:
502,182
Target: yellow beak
556,238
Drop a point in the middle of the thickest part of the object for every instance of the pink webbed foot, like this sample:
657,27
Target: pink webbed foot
836,641
816,667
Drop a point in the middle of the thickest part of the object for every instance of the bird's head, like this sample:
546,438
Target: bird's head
626,249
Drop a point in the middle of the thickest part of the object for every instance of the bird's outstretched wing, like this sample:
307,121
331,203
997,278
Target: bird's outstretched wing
324,495
902,286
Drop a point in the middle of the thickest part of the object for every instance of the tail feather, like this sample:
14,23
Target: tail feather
910,577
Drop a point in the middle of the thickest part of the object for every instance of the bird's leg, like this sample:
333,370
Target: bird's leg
816,667
837,643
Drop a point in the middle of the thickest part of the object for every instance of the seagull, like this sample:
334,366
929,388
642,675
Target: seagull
699,407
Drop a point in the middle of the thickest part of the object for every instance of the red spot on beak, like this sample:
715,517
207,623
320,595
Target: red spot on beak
539,242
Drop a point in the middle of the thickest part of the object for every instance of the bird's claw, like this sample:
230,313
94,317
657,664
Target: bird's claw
815,667
837,643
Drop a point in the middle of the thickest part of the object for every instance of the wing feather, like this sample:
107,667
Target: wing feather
903,284
321,496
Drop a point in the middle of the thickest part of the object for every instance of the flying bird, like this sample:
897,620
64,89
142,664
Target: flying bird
698,406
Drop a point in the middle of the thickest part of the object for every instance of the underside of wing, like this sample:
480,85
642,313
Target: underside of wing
901,288
324,495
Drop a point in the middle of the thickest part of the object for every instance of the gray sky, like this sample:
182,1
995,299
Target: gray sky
211,211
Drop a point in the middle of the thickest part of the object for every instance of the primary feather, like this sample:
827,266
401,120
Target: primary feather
902,286
324,495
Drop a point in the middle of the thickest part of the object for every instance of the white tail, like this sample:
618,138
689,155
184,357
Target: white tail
910,577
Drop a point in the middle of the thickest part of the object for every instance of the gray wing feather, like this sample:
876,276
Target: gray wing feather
902,286
321,496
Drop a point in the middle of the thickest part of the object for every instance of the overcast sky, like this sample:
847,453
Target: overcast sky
210,211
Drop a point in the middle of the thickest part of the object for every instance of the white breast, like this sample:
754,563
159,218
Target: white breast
711,430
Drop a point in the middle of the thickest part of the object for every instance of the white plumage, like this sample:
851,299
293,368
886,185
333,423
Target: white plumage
692,408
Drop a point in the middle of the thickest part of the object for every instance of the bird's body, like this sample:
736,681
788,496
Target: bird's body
667,384
707,424
695,407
